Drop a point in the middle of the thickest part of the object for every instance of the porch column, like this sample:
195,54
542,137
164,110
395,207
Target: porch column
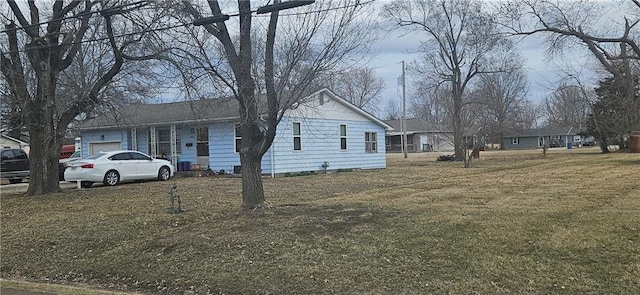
153,149
174,149
134,139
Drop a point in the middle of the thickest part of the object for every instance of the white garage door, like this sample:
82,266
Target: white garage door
104,147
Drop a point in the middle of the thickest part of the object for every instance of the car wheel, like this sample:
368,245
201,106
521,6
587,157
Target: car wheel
111,178
15,180
86,184
164,173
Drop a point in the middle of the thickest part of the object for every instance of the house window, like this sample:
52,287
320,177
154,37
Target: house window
343,137
163,143
515,140
202,142
540,141
371,142
297,138
237,135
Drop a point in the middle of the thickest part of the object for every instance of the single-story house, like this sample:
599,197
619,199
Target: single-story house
422,136
537,138
324,130
8,142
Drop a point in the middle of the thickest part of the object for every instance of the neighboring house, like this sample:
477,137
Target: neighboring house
536,138
422,136
8,142
325,128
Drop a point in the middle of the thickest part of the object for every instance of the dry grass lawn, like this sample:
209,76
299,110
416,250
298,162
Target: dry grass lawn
515,223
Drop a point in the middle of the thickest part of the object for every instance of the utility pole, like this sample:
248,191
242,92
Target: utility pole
404,113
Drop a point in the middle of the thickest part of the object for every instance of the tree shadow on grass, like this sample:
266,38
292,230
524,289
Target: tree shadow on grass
307,220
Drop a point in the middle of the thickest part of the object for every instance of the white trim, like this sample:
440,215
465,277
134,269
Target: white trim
134,139
352,107
293,136
153,144
346,137
235,138
371,142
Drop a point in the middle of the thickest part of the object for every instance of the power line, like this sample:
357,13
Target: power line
99,39
75,16
150,30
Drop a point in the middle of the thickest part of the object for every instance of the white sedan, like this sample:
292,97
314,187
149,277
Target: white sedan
114,167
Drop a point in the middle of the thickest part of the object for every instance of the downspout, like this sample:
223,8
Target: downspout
273,164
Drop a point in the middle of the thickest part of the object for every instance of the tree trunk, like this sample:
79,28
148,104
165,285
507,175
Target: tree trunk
252,189
604,145
43,154
458,136
45,144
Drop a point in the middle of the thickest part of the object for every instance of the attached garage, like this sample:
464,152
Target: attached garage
95,147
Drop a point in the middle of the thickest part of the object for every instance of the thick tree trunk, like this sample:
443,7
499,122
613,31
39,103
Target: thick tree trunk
252,189
43,158
45,144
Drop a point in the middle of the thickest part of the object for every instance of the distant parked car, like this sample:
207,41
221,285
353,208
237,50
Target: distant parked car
556,143
589,143
62,163
14,165
114,167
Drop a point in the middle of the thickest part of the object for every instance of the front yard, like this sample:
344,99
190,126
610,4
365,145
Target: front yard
515,223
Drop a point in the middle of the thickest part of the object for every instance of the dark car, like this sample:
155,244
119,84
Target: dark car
588,143
14,165
556,143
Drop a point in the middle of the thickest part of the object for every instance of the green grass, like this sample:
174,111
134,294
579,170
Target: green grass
514,223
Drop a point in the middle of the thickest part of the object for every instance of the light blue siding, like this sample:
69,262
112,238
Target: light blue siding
222,154
321,143
187,135
99,136
320,140
142,140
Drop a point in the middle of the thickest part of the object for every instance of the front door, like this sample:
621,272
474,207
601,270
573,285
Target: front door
202,147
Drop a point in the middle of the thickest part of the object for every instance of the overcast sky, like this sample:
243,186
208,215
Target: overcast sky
543,72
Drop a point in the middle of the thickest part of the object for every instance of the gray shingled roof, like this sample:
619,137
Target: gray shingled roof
543,132
167,113
204,110
416,126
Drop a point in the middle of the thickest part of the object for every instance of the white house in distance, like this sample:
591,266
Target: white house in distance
325,129
8,142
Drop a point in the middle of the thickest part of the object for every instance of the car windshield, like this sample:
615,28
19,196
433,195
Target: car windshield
75,154
94,156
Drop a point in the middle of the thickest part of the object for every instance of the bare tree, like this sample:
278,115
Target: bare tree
503,98
37,50
361,86
567,106
460,38
563,22
308,44
613,43
392,111
432,104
